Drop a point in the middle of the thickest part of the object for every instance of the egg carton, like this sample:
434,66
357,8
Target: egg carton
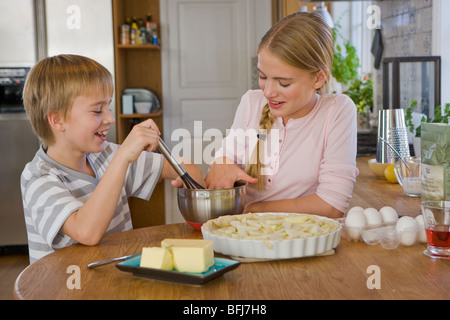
404,230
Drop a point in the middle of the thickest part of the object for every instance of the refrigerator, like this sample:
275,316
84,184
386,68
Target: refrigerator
29,31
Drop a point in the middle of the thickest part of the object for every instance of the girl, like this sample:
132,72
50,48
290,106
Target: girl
294,143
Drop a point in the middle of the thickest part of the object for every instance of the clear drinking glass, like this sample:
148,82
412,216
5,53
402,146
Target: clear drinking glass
409,176
436,216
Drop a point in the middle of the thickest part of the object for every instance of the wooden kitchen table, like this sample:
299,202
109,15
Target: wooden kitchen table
402,273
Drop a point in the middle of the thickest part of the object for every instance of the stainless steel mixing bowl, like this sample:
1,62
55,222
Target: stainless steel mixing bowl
198,206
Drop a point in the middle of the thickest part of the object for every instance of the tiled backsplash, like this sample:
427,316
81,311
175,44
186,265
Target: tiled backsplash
406,28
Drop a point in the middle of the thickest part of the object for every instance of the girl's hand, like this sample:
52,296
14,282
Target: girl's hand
223,174
143,136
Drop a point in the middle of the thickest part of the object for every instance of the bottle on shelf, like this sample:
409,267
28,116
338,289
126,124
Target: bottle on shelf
125,31
125,34
142,32
134,33
152,30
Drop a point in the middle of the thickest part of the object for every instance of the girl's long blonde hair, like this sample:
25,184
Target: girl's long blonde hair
302,40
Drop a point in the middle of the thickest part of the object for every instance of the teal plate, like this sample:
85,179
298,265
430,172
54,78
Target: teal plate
220,266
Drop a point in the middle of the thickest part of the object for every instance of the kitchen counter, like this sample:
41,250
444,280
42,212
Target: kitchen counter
370,191
350,273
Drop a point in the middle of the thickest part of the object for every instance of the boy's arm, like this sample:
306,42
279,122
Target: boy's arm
90,222
194,171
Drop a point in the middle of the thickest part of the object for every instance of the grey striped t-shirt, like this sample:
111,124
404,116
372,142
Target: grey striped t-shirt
51,192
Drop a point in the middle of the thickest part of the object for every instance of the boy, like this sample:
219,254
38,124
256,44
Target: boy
76,187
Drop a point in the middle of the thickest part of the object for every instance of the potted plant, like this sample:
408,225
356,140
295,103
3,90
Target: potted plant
345,70
439,117
361,92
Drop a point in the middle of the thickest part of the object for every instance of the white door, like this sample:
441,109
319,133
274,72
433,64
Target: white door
209,62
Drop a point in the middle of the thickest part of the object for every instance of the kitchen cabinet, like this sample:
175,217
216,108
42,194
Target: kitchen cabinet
138,66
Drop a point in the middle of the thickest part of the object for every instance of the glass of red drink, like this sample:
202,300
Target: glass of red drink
436,215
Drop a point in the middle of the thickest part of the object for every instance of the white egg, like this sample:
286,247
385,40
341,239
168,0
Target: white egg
373,217
389,214
356,209
354,222
407,229
421,234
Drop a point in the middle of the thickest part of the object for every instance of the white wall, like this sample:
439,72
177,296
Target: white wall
441,44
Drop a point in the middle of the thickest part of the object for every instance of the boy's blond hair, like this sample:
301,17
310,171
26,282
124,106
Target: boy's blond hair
302,40
55,82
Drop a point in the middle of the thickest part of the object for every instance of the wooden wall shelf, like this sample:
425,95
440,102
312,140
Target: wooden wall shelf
141,115
138,66
139,46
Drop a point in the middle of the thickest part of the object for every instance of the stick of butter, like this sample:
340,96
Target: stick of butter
156,258
189,255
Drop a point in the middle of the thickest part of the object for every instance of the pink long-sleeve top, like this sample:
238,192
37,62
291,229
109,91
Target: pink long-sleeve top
315,154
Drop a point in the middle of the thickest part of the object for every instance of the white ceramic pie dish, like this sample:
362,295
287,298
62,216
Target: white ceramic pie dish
281,249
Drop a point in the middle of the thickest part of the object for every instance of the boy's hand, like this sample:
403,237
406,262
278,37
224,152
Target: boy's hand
194,171
143,136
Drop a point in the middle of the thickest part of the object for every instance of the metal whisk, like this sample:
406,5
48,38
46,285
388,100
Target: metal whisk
187,179
398,154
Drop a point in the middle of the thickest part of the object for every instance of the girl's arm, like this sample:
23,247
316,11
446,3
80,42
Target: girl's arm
312,204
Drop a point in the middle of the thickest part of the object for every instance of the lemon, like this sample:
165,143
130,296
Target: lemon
389,174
